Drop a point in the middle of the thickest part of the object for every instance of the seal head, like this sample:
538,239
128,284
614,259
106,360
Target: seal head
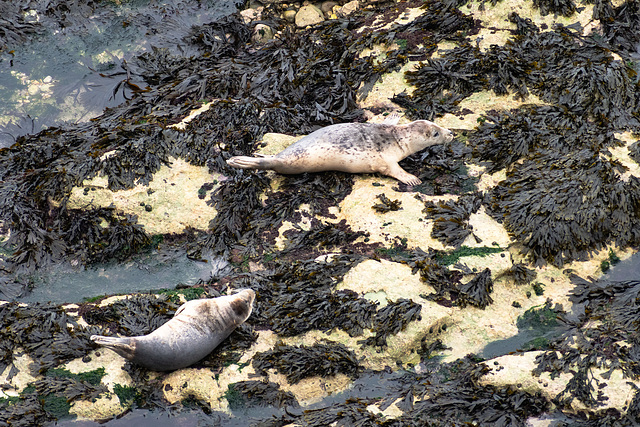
197,327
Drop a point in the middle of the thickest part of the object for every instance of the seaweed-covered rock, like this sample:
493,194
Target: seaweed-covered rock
258,393
392,319
298,362
451,218
559,7
45,332
561,206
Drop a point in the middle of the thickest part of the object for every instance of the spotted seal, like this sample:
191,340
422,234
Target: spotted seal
355,148
197,327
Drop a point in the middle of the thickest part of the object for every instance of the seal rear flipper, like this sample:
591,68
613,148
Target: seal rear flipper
123,346
246,162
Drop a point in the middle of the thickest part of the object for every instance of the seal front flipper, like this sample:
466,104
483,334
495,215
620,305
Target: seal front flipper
395,171
246,162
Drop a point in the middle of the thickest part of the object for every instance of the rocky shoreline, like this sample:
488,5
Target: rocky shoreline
465,299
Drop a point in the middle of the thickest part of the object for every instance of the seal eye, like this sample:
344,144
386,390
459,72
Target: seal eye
436,134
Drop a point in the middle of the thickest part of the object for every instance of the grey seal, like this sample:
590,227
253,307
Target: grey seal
355,148
197,327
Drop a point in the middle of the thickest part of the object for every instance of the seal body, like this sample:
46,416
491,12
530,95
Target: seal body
197,327
355,148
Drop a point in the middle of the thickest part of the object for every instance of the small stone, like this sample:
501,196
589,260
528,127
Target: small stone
33,90
347,9
148,208
289,15
48,79
308,15
262,33
249,15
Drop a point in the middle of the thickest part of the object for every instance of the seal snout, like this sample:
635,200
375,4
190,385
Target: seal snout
448,135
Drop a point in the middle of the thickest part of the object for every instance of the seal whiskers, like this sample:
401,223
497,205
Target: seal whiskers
197,327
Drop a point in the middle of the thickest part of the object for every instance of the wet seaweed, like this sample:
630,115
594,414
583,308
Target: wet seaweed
323,235
521,274
386,204
575,217
544,63
504,137
325,358
442,170
391,319
133,316
297,297
620,25
27,412
45,332
451,218
444,395
14,27
476,292
557,7
259,393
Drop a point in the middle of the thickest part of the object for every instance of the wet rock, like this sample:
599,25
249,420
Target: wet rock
262,33
347,9
308,15
290,15
249,15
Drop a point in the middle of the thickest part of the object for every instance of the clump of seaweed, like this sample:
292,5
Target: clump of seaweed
620,25
521,274
297,297
443,395
326,236
133,316
442,170
451,218
560,207
557,7
449,290
324,358
391,319
504,137
386,204
476,292
259,393
45,332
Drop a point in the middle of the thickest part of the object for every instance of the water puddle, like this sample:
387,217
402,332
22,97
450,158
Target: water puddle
628,269
63,73
66,284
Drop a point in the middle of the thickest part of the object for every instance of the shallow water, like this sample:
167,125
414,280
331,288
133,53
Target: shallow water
65,284
628,269
62,75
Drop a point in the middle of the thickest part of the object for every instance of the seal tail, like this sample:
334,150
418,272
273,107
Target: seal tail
122,346
246,162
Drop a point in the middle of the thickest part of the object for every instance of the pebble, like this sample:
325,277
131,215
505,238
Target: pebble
290,15
308,15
